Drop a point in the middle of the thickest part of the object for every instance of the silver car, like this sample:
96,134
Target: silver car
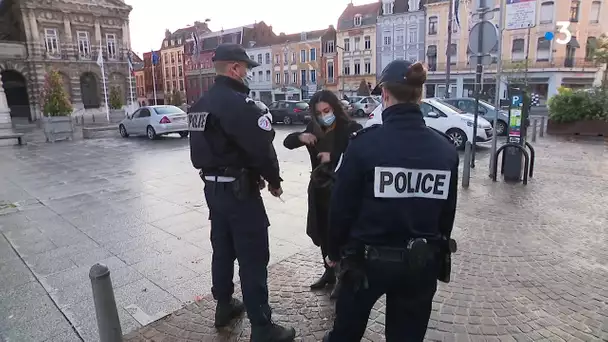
486,110
153,121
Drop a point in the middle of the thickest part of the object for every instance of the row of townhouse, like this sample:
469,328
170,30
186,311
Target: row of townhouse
368,37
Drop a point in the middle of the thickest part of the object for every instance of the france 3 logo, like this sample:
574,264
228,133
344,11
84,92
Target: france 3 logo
563,29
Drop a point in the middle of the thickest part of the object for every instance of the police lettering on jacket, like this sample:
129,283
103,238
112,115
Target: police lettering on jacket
396,182
197,121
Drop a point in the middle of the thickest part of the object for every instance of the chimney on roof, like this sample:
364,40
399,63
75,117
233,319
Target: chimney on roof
331,27
282,34
167,34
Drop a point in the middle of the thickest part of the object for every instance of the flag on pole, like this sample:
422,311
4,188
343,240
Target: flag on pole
196,49
103,77
456,17
100,57
130,62
155,58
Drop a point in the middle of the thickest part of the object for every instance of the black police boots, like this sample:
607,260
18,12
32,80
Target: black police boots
227,311
272,333
328,278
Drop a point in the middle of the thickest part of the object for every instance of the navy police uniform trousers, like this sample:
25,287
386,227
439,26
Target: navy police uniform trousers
409,298
239,231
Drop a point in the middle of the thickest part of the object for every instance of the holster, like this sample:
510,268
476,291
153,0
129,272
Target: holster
352,269
447,246
245,185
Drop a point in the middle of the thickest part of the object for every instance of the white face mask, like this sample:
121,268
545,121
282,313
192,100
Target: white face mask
328,119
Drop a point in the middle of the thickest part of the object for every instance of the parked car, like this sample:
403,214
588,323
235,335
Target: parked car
346,106
486,110
362,105
265,111
455,123
289,112
153,121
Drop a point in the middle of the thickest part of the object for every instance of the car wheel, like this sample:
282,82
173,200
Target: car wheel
151,133
501,128
183,134
458,137
360,112
287,120
123,131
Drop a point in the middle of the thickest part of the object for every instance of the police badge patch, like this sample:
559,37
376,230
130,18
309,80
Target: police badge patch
264,123
197,121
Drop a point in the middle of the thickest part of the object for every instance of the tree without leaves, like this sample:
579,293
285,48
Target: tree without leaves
363,89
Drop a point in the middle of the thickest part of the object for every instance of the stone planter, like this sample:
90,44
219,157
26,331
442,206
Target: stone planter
586,128
58,128
116,115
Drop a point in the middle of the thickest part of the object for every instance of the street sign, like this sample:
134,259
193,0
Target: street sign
520,14
489,37
487,4
485,60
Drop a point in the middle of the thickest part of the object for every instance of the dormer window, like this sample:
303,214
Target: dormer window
358,20
303,36
387,7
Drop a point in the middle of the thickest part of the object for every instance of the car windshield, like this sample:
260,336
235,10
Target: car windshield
438,103
489,106
302,105
164,110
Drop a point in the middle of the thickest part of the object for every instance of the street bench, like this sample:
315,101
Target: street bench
87,132
18,136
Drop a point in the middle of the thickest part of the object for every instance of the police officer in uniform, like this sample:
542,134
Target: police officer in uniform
391,214
231,145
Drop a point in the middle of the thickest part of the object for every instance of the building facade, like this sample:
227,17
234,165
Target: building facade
356,44
549,65
297,63
140,84
328,79
36,36
153,78
200,73
261,76
400,32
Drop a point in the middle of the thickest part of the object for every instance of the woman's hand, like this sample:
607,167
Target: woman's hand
307,139
324,157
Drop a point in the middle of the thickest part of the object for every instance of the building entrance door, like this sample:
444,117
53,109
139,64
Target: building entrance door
15,88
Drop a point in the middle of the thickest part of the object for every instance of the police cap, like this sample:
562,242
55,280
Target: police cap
395,72
230,52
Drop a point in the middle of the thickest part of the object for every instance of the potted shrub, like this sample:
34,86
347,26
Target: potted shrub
56,109
117,113
579,112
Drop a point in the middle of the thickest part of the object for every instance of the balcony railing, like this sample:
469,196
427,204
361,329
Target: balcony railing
520,65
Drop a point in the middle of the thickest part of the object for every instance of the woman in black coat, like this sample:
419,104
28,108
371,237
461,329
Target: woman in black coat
326,138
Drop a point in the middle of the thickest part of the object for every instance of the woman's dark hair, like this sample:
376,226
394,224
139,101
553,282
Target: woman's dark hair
411,91
331,99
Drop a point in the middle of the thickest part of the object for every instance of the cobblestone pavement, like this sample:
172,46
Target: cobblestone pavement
531,266
532,260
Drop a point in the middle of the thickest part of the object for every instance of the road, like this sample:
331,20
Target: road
137,206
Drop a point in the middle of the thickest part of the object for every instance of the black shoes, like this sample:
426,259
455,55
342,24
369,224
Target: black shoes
225,312
328,278
272,333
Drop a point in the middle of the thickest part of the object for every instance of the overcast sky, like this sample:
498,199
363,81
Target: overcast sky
149,22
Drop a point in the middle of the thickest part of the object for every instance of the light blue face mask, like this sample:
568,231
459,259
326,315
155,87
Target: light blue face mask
328,119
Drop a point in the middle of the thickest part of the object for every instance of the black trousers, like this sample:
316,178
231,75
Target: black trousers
239,231
409,297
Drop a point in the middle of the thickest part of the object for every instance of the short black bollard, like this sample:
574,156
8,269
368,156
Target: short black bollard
466,167
534,124
105,304
542,126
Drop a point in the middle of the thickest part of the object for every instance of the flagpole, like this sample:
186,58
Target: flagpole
103,77
448,57
131,81
153,79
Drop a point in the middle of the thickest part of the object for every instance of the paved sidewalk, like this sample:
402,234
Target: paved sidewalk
531,266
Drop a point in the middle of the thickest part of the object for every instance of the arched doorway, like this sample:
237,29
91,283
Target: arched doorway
89,90
15,88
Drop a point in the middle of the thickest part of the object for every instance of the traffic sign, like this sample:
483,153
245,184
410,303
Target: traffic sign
489,37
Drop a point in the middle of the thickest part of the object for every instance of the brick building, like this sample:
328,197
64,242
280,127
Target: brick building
151,81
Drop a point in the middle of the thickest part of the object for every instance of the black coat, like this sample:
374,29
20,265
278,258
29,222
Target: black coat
317,220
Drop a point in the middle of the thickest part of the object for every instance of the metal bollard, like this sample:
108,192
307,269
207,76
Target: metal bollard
466,169
534,124
93,118
105,304
542,126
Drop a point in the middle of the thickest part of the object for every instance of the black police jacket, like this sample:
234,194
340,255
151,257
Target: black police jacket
397,181
228,130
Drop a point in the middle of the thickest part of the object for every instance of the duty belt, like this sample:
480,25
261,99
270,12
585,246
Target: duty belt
397,254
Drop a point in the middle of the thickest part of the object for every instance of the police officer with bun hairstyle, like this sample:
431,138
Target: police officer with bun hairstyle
391,214
231,145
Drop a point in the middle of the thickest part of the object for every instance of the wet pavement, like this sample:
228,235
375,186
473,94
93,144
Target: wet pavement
532,261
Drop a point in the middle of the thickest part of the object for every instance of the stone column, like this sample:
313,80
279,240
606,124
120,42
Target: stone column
97,31
34,27
5,112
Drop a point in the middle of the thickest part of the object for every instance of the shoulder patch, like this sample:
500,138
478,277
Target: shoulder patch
363,130
197,121
264,123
